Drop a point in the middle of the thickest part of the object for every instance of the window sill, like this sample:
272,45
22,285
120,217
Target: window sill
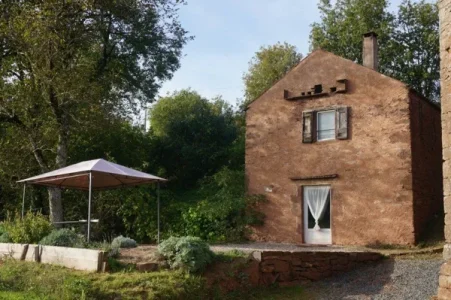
326,140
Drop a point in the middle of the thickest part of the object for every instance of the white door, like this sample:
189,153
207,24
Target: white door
317,215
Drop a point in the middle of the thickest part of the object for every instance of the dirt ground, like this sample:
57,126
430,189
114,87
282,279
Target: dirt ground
141,254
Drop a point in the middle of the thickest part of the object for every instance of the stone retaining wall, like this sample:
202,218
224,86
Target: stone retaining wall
444,290
74,258
297,266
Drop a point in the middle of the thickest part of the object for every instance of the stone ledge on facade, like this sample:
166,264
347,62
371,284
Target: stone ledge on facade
330,176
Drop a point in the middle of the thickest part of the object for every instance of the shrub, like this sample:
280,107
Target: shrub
226,212
187,253
63,238
123,242
4,238
30,230
2,229
112,252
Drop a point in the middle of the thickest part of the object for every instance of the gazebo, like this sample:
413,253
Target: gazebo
94,175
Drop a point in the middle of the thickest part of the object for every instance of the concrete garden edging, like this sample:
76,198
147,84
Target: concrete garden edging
74,258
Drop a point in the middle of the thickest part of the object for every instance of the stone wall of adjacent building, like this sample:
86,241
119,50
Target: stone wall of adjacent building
444,291
445,56
372,195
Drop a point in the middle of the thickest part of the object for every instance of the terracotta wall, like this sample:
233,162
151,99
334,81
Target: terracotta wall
372,197
426,162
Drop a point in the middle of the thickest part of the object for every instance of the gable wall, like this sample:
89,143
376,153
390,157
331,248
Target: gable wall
372,197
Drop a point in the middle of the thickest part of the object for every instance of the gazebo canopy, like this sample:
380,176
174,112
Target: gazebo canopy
97,174
105,175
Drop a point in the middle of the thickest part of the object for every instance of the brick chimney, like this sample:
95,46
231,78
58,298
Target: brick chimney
370,51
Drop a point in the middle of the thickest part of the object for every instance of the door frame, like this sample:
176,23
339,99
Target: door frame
303,212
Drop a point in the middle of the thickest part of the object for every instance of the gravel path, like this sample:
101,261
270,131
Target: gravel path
410,279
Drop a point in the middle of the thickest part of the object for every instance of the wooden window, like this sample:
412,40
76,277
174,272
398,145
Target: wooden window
342,123
323,125
307,127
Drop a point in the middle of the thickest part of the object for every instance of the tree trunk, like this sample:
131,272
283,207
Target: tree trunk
55,205
55,201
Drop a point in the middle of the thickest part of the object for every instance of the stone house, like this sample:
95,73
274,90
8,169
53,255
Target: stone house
344,154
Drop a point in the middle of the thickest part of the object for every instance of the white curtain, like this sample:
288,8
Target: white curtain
317,200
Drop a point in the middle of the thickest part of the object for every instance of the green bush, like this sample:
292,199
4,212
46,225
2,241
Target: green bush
226,212
32,229
2,229
4,238
187,253
123,242
112,252
63,238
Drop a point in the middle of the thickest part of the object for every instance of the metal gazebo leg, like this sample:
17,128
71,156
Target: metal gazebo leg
158,210
89,208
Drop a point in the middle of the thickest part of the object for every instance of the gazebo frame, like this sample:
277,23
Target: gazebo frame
110,176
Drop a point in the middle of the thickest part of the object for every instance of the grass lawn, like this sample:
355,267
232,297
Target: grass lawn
19,296
26,280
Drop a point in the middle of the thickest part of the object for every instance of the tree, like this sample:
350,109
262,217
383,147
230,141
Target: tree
267,66
194,135
343,25
415,46
408,43
66,64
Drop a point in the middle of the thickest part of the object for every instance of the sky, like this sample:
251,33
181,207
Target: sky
228,33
